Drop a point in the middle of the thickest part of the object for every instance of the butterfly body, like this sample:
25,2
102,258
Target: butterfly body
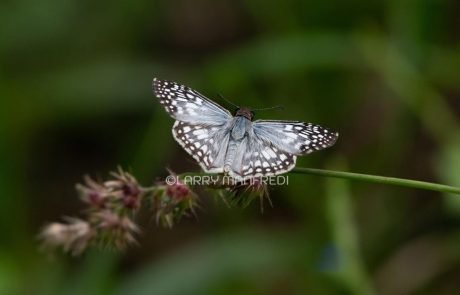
236,145
240,127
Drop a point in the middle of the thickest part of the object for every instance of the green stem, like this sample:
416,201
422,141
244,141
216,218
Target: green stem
360,177
379,179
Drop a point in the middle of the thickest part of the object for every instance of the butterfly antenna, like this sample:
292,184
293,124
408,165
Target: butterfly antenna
279,107
229,102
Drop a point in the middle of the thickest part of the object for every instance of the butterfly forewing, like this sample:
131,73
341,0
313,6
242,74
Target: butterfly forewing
297,138
185,104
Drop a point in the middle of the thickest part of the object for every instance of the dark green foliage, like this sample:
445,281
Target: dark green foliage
75,99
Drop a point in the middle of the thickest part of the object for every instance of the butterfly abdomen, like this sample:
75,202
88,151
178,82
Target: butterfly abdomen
230,154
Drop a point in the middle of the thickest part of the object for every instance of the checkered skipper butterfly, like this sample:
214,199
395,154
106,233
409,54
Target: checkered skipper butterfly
236,145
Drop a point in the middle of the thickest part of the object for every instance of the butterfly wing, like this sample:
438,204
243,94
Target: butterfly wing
187,105
294,137
257,157
206,144
202,126
272,147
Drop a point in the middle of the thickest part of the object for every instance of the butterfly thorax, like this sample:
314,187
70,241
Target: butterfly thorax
242,123
240,126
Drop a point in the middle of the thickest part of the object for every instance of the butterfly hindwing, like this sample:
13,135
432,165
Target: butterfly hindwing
264,159
206,144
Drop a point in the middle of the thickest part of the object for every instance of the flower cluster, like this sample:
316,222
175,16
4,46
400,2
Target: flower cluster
111,208
73,236
109,219
172,200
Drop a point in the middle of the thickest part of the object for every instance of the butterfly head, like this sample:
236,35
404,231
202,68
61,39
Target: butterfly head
244,112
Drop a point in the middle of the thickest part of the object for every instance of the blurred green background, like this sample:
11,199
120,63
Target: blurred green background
75,99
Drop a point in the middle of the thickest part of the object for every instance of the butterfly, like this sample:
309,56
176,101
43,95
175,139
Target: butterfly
235,144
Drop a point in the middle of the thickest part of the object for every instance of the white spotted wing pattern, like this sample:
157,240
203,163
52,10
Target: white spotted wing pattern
222,143
202,142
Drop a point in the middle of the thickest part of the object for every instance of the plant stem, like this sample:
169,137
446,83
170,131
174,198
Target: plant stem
363,177
379,179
